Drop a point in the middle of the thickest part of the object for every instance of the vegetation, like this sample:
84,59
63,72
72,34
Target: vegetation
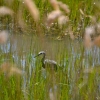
76,21
21,75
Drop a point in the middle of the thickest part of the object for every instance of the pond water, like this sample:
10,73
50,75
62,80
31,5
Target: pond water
19,46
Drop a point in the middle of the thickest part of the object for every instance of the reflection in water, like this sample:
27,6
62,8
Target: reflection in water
94,55
5,48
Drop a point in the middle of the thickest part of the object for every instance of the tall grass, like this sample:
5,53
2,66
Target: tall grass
76,20
75,79
22,76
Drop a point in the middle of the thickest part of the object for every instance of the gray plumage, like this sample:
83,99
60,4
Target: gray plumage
46,63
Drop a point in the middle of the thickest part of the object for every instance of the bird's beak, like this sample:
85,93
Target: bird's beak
36,55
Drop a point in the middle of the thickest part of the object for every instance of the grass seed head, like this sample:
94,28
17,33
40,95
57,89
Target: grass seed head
3,36
97,41
6,11
54,4
52,16
51,95
32,9
87,37
10,69
64,7
63,20
98,28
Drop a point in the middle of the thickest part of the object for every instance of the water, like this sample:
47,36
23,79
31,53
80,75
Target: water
21,49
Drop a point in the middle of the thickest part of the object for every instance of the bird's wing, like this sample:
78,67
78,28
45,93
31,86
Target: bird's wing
50,62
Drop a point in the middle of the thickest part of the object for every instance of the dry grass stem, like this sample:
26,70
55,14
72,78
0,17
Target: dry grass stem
3,36
32,9
81,11
52,95
93,18
5,11
20,20
70,32
71,35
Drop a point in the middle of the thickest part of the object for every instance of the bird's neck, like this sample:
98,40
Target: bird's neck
42,60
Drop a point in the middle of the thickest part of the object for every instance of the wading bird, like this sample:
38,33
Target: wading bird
46,63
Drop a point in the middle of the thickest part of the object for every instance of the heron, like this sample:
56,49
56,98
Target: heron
46,63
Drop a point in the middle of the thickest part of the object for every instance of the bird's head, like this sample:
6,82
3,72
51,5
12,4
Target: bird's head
40,53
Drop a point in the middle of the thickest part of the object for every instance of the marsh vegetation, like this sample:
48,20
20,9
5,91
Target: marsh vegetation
68,31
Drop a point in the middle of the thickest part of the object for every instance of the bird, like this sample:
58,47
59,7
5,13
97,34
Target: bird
46,63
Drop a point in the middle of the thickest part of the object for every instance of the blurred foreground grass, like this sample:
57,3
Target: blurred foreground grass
23,15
